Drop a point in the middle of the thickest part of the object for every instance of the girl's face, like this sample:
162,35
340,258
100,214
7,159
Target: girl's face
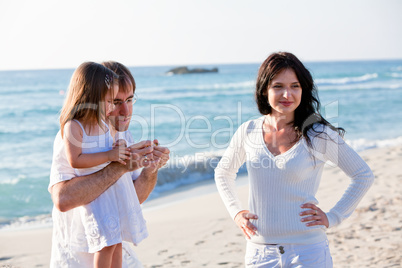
109,98
284,93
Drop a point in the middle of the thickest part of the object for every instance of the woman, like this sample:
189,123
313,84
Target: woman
285,151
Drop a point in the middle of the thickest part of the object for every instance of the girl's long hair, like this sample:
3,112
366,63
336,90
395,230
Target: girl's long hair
308,112
87,90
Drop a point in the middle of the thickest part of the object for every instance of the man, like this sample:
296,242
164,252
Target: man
69,191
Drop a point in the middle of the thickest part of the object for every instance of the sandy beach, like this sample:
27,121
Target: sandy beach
196,230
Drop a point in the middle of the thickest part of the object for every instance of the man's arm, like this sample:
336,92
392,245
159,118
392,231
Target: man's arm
146,181
82,190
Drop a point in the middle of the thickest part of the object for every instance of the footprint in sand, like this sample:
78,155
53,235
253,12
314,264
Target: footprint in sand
230,244
162,251
176,255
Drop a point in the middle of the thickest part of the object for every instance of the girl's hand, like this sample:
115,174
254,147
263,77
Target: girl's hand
315,215
120,152
242,220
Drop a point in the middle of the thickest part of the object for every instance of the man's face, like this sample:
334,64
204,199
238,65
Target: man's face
121,110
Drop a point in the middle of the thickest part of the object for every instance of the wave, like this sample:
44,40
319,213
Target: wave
23,129
234,85
26,222
197,94
13,181
396,75
345,80
245,84
365,144
31,90
29,111
362,86
188,170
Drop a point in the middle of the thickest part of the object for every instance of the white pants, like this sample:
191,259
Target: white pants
288,255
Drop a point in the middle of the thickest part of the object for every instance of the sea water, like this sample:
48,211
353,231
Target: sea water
194,115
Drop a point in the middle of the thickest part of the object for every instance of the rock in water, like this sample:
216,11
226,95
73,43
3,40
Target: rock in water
186,70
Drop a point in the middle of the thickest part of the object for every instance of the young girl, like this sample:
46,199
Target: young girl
106,221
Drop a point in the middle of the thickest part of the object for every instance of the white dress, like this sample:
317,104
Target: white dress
114,216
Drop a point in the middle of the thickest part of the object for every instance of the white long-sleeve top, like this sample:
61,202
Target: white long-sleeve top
279,185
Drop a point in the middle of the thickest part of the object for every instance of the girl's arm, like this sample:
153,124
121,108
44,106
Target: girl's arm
73,142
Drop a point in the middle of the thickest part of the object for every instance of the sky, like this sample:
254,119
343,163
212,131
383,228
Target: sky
49,34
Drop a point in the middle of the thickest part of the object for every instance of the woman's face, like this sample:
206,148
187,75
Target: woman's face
284,93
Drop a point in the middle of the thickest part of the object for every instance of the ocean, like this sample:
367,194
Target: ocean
194,115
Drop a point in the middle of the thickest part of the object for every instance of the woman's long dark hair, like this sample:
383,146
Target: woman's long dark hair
308,112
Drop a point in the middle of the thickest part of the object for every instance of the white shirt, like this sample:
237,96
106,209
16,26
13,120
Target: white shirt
62,255
280,184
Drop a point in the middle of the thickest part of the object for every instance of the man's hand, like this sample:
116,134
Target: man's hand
141,155
160,156
152,157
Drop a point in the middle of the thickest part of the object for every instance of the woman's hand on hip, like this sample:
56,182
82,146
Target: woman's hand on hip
242,220
315,216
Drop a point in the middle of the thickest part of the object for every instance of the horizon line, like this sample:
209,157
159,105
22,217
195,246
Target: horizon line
203,64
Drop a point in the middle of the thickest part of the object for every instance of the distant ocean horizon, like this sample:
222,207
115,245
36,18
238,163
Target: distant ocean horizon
194,115
205,65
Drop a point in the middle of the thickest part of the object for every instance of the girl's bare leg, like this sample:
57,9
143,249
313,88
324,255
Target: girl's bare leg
103,258
117,258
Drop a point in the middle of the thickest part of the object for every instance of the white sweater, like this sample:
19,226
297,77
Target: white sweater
280,184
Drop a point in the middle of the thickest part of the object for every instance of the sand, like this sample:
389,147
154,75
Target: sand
196,230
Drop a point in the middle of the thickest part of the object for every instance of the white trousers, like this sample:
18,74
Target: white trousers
288,255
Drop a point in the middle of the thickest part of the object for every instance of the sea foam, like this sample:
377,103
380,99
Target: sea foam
345,80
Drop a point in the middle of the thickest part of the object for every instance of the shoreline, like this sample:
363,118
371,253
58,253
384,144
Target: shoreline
190,227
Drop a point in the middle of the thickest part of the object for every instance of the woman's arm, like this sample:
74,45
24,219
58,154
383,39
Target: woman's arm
226,172
336,150
225,176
